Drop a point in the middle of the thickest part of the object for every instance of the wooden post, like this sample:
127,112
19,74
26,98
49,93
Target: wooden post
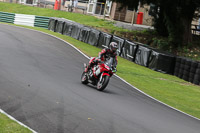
104,14
133,17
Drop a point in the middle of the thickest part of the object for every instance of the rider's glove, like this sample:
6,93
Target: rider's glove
114,69
98,60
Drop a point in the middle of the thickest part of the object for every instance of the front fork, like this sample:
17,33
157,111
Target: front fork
101,77
85,67
103,74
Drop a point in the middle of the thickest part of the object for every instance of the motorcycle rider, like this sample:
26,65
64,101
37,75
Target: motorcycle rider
104,54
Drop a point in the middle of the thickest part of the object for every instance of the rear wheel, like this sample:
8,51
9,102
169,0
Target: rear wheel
101,85
84,78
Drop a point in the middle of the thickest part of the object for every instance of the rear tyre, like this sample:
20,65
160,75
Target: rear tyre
84,78
101,85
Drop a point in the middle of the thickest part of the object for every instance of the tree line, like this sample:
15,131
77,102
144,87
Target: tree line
172,18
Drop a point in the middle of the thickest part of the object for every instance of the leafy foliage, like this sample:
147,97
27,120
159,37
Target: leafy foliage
171,18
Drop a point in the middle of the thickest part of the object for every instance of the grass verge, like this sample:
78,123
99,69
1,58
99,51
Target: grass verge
87,20
80,18
166,88
9,126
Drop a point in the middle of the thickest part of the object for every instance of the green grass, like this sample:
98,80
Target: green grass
80,18
9,126
87,20
166,88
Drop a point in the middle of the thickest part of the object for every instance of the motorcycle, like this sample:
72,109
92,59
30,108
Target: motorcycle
99,75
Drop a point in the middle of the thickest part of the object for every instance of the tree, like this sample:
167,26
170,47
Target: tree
172,18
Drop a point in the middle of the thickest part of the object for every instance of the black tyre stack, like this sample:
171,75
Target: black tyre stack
104,40
194,65
94,37
76,28
52,24
59,26
177,66
67,28
186,71
197,75
84,34
182,67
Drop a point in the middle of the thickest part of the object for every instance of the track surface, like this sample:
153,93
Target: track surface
40,86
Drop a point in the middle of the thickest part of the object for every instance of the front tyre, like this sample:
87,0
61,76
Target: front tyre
84,78
101,85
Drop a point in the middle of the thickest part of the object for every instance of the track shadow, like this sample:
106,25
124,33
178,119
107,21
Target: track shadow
106,91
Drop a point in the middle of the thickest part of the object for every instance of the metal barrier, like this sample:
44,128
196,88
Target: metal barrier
7,17
23,19
41,22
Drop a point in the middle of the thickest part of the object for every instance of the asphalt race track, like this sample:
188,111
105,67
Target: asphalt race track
40,86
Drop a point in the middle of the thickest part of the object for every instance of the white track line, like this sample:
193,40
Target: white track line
12,118
115,75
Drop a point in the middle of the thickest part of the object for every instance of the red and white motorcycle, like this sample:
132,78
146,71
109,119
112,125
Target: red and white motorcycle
99,75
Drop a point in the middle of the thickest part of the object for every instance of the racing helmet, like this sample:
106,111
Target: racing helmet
113,46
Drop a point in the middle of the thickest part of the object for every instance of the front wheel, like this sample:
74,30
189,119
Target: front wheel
101,85
84,78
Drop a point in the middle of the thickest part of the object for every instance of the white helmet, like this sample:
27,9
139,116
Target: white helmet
113,46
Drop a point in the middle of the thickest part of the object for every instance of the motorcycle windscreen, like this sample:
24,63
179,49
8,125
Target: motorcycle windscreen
111,62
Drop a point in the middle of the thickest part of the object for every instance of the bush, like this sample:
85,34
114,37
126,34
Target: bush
161,44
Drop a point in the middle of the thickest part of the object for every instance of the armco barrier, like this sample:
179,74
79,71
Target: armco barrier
41,22
161,61
129,50
7,17
22,19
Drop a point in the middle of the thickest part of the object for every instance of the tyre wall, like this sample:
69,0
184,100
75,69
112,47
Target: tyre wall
84,34
161,61
94,37
59,26
129,50
193,68
136,52
120,42
197,75
104,40
142,55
